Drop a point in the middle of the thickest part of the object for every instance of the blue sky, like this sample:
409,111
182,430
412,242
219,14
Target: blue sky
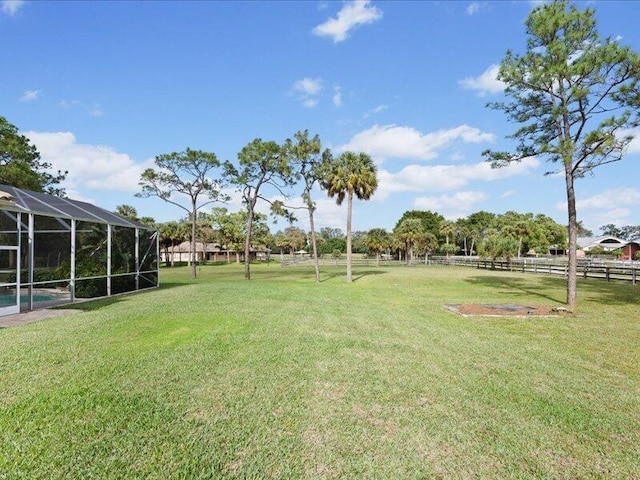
101,88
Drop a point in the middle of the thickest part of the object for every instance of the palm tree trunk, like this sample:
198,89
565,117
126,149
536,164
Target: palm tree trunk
519,245
349,255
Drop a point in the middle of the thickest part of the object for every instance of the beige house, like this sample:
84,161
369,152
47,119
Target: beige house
212,252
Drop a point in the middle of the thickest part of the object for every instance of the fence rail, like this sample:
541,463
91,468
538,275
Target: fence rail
609,271
622,271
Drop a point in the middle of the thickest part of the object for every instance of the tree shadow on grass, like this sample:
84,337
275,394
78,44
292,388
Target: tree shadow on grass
518,285
601,291
366,273
89,304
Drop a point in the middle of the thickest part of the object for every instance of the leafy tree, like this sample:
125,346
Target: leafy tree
334,243
546,233
348,175
518,226
377,240
186,173
357,239
328,233
576,96
478,225
631,232
626,232
496,245
307,161
21,166
611,229
261,164
296,238
230,230
430,220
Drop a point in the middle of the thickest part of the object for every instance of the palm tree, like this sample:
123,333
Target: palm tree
410,231
127,211
448,228
377,240
348,175
171,235
426,243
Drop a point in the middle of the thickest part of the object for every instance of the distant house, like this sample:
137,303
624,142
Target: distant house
207,252
609,243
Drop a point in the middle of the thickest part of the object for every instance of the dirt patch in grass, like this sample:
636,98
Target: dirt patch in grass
507,310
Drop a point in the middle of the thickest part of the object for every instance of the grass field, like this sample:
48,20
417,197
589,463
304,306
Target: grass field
282,378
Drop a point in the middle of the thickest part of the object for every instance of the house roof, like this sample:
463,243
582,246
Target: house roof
26,201
607,242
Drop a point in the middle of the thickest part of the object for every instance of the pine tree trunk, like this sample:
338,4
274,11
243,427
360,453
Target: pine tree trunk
572,276
247,242
194,272
313,244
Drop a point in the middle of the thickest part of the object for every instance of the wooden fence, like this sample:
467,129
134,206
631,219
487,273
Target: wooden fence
622,271
609,271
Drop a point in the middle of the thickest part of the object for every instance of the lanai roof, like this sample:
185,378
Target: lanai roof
26,201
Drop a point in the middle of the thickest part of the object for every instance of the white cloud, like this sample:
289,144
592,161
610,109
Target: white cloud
374,111
459,201
11,7
353,13
392,141
310,102
473,8
337,96
617,216
307,89
508,193
438,178
487,83
609,206
94,110
30,95
308,86
634,146
615,197
456,156
92,167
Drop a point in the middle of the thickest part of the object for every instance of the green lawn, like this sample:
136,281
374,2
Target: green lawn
282,378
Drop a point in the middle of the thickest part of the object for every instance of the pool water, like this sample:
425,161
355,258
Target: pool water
24,298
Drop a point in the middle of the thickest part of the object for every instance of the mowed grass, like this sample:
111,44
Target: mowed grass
282,378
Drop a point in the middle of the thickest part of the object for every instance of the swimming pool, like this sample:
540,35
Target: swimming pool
8,299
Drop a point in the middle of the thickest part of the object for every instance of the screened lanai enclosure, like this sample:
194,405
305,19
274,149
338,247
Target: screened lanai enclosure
55,251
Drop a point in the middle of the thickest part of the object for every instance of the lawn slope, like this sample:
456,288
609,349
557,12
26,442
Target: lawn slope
282,378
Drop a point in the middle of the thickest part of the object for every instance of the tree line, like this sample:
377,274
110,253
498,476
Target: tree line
265,172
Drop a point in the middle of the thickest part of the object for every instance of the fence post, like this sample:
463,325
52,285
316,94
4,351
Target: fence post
633,276
606,273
